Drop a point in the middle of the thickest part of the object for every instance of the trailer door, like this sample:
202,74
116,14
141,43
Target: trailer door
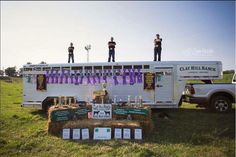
164,85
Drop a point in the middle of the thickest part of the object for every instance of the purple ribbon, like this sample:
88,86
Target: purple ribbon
109,72
47,76
88,77
81,79
124,77
139,76
104,76
99,76
52,77
131,82
71,79
133,75
94,78
76,77
56,76
61,76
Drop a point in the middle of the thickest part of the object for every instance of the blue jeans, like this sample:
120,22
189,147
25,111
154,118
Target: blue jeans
111,54
157,51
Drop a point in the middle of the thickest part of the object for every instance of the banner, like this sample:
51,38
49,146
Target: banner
41,82
149,81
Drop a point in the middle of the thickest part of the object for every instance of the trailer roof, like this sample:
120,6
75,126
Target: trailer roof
126,63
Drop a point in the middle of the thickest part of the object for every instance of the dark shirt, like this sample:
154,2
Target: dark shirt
71,49
158,43
111,45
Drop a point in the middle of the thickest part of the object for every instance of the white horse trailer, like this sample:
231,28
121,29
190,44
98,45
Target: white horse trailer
160,84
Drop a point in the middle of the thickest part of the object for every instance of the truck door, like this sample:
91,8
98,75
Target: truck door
164,85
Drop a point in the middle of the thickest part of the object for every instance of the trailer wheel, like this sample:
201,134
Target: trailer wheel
46,104
180,101
221,104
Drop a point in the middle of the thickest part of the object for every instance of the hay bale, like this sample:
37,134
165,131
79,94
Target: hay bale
69,113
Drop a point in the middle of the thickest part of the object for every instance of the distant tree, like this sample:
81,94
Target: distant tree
20,72
28,63
228,72
42,62
11,71
1,72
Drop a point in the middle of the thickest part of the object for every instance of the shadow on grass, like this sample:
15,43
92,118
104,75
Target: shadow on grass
191,126
41,113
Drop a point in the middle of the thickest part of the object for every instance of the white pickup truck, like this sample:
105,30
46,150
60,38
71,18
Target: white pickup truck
218,97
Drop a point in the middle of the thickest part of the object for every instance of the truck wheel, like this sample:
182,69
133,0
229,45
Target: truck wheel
221,104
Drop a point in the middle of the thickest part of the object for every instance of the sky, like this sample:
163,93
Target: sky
190,31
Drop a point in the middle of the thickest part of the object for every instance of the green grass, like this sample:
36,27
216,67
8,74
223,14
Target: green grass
189,131
227,78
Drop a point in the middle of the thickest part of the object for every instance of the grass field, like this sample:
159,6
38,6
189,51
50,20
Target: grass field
188,131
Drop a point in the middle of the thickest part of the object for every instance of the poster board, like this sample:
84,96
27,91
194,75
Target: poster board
41,82
101,111
149,81
126,111
102,133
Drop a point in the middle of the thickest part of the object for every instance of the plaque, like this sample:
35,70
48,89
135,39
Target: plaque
85,134
126,133
102,134
138,134
149,81
76,134
118,133
66,134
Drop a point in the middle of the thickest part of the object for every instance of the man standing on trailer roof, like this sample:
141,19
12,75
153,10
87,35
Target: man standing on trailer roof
157,47
71,53
111,47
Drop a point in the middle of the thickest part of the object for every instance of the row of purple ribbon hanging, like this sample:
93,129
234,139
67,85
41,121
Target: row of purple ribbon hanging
64,77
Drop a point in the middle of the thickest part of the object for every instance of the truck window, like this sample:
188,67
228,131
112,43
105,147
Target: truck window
207,81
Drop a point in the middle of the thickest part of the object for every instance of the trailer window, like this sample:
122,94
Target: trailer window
137,66
88,67
55,68
117,67
66,68
146,66
37,68
76,68
107,67
127,66
46,68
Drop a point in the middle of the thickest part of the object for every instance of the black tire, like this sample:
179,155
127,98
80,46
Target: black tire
47,104
221,104
180,101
